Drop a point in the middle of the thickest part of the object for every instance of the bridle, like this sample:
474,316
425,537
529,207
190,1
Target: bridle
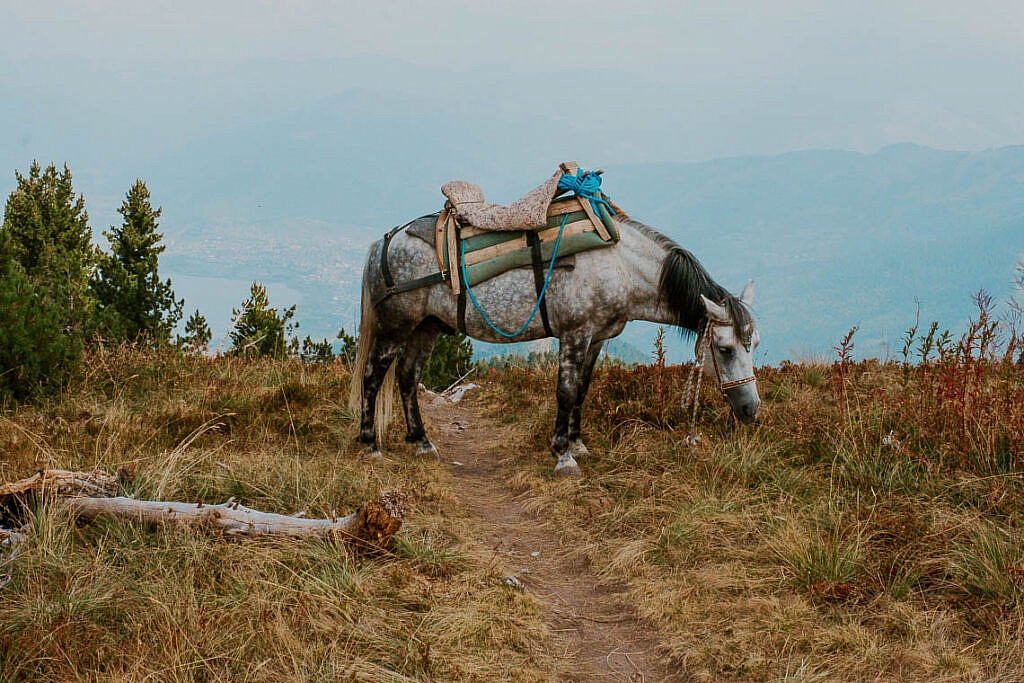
746,341
702,346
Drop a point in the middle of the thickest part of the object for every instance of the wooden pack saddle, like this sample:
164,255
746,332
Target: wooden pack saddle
498,238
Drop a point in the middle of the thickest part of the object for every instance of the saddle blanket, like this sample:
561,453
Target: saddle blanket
424,230
489,254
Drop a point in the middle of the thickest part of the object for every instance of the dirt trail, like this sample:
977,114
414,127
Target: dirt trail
597,635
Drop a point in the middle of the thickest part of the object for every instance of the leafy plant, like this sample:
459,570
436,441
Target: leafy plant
45,261
197,334
50,237
260,330
451,359
313,351
347,352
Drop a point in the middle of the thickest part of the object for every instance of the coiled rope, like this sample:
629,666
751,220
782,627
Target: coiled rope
585,185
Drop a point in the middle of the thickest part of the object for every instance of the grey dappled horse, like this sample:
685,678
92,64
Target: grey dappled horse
645,276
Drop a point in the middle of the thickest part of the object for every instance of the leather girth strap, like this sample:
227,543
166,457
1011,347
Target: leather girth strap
439,277
460,297
538,278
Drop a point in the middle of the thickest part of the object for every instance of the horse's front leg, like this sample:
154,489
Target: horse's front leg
576,447
572,354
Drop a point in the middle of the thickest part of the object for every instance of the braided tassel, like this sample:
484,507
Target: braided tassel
690,400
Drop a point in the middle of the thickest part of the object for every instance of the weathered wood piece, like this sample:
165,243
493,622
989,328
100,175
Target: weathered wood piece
89,495
372,525
62,483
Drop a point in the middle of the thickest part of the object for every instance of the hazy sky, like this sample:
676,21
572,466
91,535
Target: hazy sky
668,39
759,77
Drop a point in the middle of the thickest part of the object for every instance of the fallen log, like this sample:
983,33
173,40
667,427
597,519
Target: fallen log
89,496
372,525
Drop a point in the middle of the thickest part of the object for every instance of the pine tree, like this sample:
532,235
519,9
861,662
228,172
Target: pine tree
451,358
133,302
36,353
349,344
49,237
46,258
260,330
316,351
197,334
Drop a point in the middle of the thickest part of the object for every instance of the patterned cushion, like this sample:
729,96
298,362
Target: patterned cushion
528,213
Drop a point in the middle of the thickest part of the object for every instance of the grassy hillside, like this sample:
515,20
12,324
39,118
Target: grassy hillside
869,527
116,601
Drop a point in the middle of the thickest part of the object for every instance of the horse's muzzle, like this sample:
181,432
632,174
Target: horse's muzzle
748,413
744,403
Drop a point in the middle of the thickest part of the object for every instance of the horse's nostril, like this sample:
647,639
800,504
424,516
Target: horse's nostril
750,410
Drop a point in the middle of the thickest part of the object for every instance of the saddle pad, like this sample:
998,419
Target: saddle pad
489,254
423,228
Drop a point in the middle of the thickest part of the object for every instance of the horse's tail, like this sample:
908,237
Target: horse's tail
367,335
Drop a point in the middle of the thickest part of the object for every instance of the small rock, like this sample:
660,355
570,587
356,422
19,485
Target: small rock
513,583
456,394
456,463
535,553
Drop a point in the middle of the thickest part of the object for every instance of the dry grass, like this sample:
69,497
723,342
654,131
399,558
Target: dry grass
870,527
858,532
117,601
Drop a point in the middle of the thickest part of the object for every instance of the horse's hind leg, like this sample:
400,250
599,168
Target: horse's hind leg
382,354
410,370
576,447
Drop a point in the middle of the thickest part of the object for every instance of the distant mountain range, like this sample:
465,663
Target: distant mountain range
832,238
836,239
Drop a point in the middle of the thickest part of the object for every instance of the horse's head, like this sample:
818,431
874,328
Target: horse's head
728,354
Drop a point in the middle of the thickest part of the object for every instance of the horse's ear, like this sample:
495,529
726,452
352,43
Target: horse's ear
747,295
715,311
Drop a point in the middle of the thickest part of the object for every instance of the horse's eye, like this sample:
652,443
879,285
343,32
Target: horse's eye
724,350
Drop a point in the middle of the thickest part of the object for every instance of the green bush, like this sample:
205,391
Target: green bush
260,330
37,351
46,259
451,359
197,334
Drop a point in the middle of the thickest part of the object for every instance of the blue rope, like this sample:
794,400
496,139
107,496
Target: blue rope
536,306
586,185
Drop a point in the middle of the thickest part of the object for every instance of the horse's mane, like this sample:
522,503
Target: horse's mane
682,281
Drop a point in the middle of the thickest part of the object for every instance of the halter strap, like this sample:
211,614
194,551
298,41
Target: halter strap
704,345
722,386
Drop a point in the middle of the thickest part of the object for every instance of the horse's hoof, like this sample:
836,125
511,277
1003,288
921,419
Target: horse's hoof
577,449
427,450
567,467
372,454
